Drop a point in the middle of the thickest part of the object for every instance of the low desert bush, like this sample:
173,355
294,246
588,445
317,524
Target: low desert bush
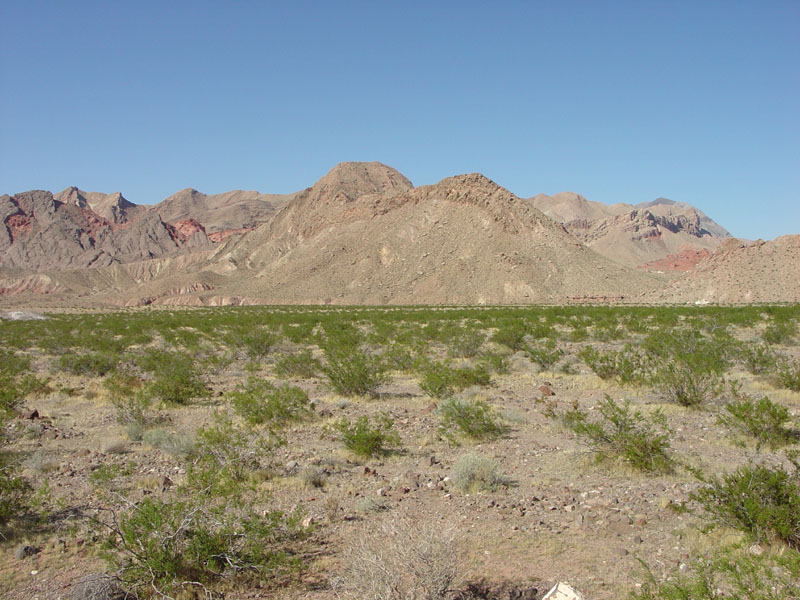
686,384
367,439
762,501
176,380
780,331
256,344
472,418
731,574
789,374
511,333
622,433
298,364
228,454
401,559
757,359
464,342
545,354
171,547
764,420
441,380
626,366
93,364
474,473
260,402
354,372
174,444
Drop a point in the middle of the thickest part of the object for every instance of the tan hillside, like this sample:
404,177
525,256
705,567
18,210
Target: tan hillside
114,208
363,235
742,272
653,235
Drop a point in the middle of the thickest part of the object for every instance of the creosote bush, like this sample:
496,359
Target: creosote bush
789,375
94,364
441,380
687,385
472,418
260,402
731,574
365,438
624,434
626,366
762,501
764,420
545,354
353,372
298,364
168,546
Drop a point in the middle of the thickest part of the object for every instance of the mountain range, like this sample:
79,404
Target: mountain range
363,234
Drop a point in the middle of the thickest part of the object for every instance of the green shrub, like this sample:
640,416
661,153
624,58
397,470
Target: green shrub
758,360
298,364
263,403
474,419
473,473
780,331
626,366
440,380
687,385
255,344
761,419
496,362
730,575
354,372
759,500
14,490
512,334
94,364
464,342
621,433
227,454
545,354
789,375
167,546
366,439
175,378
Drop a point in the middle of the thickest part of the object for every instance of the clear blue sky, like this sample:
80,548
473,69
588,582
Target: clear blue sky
619,101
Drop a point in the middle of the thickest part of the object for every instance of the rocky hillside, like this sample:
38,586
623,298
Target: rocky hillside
364,235
741,272
662,235
42,233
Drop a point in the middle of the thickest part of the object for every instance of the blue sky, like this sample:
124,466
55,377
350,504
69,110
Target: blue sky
619,101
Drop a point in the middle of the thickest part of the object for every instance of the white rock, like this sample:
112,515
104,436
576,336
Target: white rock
563,591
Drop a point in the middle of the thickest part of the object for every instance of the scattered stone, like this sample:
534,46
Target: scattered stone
21,315
25,551
165,483
563,591
98,586
546,390
32,415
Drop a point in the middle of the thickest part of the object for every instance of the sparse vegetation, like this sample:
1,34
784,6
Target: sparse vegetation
260,402
469,417
368,439
475,473
625,434
354,372
767,422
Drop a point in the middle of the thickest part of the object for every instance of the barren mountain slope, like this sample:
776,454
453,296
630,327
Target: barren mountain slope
114,208
41,233
233,210
739,271
636,235
363,235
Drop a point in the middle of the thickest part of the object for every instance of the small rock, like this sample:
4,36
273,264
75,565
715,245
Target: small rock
620,551
32,415
291,465
24,552
165,483
755,550
98,586
640,520
307,522
546,390
563,591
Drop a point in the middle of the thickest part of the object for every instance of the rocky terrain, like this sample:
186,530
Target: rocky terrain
363,234
657,235
739,271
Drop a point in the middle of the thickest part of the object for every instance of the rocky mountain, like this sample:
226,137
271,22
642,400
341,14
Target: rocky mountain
740,271
660,235
221,213
364,235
